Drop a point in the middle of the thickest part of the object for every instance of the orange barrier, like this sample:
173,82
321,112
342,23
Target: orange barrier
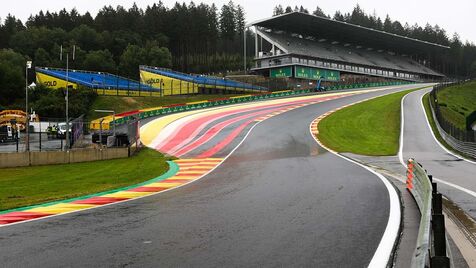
410,174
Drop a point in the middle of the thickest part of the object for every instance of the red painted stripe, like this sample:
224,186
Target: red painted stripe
128,113
175,105
188,132
176,181
21,216
147,189
99,200
225,142
213,131
178,138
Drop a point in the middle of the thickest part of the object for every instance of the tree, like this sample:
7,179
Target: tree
99,60
159,56
387,25
240,20
338,16
42,57
289,9
12,79
278,10
131,58
227,21
86,37
472,72
318,12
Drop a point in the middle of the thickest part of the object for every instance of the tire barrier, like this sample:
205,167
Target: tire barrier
431,244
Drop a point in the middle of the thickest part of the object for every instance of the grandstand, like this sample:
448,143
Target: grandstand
305,46
102,82
174,83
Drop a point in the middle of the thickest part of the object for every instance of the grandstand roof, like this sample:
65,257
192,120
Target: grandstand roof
306,24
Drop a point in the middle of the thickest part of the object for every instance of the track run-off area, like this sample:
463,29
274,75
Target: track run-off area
264,193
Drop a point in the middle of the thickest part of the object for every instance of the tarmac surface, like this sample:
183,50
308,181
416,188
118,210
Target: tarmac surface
278,200
446,168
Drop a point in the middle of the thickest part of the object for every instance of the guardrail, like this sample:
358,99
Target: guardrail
461,140
431,245
181,107
365,85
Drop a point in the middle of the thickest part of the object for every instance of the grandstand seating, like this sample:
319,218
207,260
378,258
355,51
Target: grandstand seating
95,80
337,52
204,81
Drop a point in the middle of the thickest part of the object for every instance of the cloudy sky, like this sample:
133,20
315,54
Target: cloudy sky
457,16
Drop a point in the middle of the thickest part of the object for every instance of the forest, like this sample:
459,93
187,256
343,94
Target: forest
194,38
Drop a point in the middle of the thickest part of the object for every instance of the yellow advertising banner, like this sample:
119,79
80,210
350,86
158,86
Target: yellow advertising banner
52,82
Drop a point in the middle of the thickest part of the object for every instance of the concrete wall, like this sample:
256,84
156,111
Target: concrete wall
59,157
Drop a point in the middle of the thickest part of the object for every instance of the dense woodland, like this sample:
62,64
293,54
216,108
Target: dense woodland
197,38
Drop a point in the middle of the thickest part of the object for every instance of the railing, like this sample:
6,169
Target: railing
431,245
463,140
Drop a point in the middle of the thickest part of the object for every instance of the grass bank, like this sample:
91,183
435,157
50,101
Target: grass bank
124,104
368,128
26,186
458,102
434,129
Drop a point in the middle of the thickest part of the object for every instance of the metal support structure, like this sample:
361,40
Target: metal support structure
113,121
244,50
67,102
27,123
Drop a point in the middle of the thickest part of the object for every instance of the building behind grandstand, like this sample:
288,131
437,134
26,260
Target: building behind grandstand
303,46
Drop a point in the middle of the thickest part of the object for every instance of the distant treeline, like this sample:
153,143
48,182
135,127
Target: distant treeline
190,38
461,60
196,38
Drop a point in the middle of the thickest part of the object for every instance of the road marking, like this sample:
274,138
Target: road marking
434,137
120,196
384,250
400,151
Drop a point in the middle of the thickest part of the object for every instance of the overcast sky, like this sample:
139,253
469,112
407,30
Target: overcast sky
457,16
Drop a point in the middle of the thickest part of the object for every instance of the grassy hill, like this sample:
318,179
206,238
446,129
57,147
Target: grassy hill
124,104
457,102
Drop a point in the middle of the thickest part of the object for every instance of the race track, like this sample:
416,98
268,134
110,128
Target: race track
456,177
277,200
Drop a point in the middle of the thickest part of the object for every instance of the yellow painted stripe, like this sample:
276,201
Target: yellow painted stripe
125,194
197,102
60,208
164,184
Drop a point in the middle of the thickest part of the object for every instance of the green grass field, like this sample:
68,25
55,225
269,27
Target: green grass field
429,116
124,104
368,128
26,186
457,102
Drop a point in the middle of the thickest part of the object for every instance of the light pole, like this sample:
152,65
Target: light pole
67,101
27,123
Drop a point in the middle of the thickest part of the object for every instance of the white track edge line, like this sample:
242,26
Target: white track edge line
400,151
384,250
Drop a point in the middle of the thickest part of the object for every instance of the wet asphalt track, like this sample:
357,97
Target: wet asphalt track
418,143
279,200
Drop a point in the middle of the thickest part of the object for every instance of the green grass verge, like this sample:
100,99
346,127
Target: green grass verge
457,103
25,186
124,104
368,128
431,120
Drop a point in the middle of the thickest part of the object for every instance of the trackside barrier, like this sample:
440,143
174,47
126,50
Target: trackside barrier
176,108
146,113
430,249
365,85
